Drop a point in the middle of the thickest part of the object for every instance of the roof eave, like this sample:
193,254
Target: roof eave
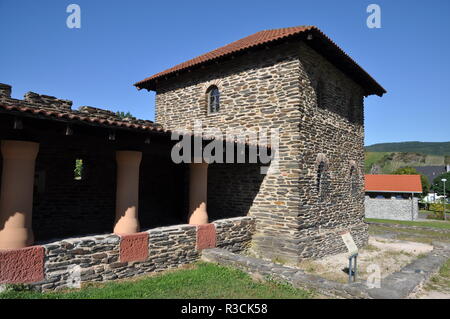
320,42
385,191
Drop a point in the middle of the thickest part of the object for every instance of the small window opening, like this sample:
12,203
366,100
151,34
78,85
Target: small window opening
79,170
213,96
322,182
353,181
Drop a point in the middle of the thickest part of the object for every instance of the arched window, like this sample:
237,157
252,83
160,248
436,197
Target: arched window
322,181
353,181
320,172
213,99
322,177
320,94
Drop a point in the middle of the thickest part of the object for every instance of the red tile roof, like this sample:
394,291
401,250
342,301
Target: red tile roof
319,42
393,183
78,116
23,108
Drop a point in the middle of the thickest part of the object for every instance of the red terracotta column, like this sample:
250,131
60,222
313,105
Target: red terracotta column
16,196
127,194
198,190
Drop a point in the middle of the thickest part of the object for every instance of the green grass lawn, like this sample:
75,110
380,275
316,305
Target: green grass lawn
440,281
199,281
433,224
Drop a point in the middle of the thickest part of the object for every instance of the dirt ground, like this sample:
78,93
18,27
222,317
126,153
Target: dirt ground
383,255
438,287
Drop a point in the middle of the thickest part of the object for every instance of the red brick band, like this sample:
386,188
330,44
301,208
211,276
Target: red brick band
134,247
24,265
206,236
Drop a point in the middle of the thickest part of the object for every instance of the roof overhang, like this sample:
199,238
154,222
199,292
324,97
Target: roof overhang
310,34
381,191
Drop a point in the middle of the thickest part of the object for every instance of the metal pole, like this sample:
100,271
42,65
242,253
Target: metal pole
350,269
445,217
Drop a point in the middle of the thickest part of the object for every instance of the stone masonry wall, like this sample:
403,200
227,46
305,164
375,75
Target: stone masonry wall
235,234
101,257
396,209
260,90
334,129
277,88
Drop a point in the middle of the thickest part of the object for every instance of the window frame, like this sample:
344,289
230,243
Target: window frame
209,91
353,181
321,181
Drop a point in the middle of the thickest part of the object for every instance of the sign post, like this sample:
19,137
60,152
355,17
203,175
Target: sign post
445,201
352,256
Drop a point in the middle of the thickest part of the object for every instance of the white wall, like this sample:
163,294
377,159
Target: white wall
397,209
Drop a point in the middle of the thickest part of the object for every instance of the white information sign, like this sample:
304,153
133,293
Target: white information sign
349,243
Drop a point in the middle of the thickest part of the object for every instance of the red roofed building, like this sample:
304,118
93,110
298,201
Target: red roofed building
392,196
393,183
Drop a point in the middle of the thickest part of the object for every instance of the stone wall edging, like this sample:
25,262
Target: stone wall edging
72,261
398,285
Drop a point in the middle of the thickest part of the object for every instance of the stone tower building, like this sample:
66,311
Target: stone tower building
298,81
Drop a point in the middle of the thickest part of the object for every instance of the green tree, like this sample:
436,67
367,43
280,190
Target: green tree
412,171
78,171
124,115
438,185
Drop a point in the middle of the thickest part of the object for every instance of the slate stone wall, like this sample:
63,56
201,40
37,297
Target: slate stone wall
278,88
235,234
99,258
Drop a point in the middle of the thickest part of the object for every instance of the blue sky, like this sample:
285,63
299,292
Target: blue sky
121,42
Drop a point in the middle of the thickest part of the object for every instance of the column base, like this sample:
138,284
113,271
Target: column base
198,217
16,238
126,226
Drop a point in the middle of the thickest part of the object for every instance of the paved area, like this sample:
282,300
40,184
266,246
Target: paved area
382,255
398,285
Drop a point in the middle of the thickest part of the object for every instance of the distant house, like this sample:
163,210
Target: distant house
431,172
432,198
392,196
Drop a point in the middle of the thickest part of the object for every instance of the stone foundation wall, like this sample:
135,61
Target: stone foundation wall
232,188
235,234
69,262
396,209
